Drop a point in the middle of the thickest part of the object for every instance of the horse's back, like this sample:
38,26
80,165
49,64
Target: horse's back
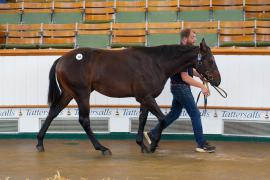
115,73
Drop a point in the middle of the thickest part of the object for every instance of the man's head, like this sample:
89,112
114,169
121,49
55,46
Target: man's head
188,37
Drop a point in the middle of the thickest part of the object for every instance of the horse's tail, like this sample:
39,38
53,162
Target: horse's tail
54,90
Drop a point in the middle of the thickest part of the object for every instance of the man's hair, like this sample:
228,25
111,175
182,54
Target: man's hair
185,33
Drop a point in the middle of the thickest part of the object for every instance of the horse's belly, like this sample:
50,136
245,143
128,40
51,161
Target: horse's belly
113,91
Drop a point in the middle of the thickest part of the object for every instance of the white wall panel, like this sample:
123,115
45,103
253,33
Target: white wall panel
245,80
24,81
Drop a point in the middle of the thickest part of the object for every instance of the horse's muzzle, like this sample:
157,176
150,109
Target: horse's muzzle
214,79
215,83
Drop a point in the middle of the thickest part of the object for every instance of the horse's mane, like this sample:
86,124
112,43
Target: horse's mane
166,50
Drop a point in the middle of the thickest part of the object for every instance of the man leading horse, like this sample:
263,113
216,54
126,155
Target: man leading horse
139,72
183,98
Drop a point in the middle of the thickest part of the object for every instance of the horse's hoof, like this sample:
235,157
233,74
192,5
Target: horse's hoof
40,148
145,150
153,149
106,152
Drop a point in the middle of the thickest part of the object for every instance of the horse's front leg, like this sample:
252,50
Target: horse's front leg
142,122
83,103
150,103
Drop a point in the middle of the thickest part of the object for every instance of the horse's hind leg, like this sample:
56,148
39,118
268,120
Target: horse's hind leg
83,103
55,109
142,122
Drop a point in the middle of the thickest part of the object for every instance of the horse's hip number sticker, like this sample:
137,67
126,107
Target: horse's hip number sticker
79,57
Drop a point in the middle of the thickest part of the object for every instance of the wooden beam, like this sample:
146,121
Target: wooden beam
53,52
138,106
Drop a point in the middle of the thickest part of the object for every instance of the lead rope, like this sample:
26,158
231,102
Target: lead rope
204,96
221,91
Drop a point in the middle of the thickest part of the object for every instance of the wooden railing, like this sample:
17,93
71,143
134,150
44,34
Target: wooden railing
138,106
52,52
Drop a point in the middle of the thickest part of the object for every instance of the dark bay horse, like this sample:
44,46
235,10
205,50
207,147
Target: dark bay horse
139,72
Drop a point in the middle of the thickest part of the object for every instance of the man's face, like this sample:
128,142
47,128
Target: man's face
191,40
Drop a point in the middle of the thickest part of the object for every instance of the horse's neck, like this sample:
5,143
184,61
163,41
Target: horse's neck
174,65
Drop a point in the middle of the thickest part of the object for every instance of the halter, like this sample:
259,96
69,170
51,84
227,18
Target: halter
199,63
199,59
222,92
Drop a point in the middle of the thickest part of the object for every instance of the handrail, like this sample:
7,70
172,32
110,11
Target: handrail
53,52
138,106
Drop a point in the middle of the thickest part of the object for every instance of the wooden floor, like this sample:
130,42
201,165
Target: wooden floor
76,159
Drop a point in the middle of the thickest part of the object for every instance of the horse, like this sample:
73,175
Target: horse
139,72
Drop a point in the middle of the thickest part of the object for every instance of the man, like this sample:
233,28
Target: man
183,98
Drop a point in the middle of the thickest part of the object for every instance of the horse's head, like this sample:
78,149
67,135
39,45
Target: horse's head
206,65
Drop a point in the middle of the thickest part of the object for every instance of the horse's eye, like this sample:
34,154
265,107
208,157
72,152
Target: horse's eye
211,62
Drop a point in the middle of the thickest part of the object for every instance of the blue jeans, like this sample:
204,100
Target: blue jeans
183,98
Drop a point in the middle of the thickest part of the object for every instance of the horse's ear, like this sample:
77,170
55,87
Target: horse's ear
203,45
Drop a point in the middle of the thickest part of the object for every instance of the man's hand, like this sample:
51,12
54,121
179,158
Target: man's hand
205,91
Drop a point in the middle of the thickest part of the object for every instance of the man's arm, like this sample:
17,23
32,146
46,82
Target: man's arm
189,80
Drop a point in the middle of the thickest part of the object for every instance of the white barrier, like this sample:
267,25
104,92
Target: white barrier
24,81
